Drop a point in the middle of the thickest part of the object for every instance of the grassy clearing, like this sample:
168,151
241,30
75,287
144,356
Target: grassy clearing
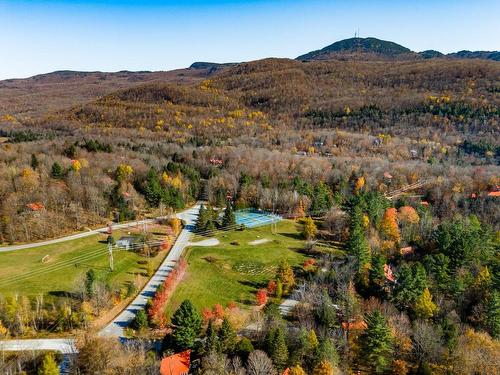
234,269
58,280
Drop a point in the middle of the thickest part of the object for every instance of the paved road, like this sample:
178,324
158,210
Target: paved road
116,327
76,236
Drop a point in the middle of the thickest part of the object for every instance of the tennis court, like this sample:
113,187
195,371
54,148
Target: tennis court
252,218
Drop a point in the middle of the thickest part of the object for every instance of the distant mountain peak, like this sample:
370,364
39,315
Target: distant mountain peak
357,45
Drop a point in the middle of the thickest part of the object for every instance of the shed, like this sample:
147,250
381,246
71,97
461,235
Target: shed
126,242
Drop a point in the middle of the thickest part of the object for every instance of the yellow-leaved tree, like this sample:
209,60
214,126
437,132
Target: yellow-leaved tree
424,307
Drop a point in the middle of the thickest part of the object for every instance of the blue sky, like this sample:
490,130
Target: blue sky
42,36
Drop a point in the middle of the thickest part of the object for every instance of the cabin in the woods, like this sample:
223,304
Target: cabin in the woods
177,364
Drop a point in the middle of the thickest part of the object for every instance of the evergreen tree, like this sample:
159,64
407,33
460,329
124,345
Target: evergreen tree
56,171
493,314
201,221
376,343
34,162
277,348
187,326
227,337
153,191
462,240
358,244
229,219
48,366
211,339
140,321
377,275
243,348
321,198
325,352
412,280
325,314
90,279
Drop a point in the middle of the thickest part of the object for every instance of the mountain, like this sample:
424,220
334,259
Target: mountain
362,46
28,97
486,55
377,49
430,54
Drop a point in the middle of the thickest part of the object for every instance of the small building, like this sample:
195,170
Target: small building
126,242
177,364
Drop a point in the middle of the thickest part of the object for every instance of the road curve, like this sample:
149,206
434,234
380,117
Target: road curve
77,235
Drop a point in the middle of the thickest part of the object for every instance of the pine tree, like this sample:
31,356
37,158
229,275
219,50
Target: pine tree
325,314
48,366
201,221
140,321
244,347
376,343
34,162
90,279
325,352
493,314
211,339
229,219
56,171
227,337
358,244
187,326
411,284
424,307
277,349
309,231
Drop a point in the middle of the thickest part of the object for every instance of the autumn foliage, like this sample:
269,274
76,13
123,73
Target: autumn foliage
164,291
389,225
261,297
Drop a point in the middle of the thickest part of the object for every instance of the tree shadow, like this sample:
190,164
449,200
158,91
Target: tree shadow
295,236
64,294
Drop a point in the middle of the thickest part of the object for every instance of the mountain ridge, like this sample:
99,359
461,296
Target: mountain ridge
373,48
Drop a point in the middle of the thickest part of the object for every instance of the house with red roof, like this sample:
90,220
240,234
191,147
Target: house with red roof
177,364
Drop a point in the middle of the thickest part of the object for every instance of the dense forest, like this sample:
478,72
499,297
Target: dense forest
331,143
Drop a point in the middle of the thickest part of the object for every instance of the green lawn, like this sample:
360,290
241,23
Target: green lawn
233,272
23,272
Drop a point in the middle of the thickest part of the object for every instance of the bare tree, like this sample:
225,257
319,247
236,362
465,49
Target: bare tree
260,364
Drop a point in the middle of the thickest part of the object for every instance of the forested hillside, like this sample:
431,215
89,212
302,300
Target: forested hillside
398,281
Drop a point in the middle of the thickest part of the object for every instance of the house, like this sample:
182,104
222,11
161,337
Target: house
177,364
388,273
126,242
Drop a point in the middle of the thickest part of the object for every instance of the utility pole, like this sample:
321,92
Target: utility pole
110,251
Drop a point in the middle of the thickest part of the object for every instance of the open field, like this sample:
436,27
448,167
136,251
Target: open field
233,272
59,268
